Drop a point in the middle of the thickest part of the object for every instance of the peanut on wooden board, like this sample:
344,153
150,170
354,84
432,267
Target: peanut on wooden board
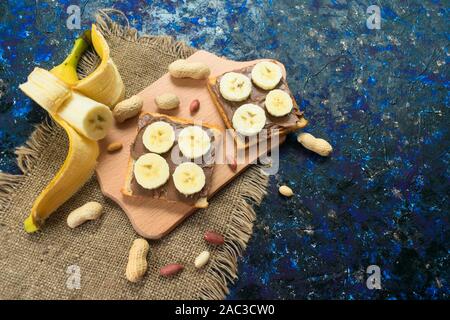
194,106
128,108
202,259
115,146
90,211
214,238
137,260
317,145
202,203
185,69
171,269
232,162
286,191
167,101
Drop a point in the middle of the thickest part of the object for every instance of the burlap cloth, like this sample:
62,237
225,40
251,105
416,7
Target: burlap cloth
34,266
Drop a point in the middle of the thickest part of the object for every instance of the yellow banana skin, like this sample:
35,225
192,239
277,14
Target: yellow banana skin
74,173
105,84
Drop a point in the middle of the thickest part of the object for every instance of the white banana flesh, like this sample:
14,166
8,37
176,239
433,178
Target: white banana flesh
189,178
249,119
235,86
46,90
158,137
194,142
266,75
151,171
88,117
278,103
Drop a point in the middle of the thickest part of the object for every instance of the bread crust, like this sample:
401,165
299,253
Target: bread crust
126,189
181,120
212,81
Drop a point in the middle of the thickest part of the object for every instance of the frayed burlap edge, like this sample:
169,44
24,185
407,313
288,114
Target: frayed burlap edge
222,269
27,156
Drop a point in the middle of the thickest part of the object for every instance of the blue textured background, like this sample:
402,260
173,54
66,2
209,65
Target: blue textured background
379,96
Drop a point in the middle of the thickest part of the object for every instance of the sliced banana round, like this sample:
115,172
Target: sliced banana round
278,103
158,137
189,178
266,75
194,142
151,171
249,119
235,86
97,122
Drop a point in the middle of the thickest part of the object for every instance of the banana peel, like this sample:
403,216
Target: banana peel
105,86
75,172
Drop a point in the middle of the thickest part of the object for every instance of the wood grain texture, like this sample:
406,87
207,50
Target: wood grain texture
153,218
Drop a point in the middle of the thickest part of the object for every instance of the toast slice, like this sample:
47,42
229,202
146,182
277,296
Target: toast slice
274,125
168,191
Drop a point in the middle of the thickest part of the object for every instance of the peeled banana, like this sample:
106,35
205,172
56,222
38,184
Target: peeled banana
81,159
266,75
194,142
159,137
189,178
151,171
88,117
249,119
78,106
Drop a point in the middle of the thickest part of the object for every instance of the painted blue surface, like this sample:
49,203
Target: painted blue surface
379,96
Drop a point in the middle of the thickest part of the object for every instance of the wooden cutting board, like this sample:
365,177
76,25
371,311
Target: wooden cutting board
152,218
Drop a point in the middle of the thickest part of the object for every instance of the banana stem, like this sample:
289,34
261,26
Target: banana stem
67,70
79,47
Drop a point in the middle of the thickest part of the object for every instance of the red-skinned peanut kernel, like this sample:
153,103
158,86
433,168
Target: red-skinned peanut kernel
214,237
